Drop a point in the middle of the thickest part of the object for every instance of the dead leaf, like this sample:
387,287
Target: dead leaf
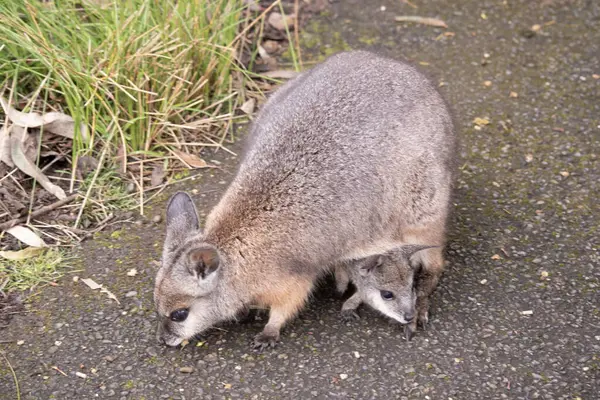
22,254
27,166
487,83
270,46
495,257
93,285
278,22
252,5
248,106
528,158
483,15
271,62
110,295
158,175
132,272
55,122
263,53
26,236
595,76
5,146
190,159
481,121
513,94
281,74
421,20
227,386
565,173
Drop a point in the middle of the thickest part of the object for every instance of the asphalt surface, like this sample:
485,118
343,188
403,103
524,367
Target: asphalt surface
516,315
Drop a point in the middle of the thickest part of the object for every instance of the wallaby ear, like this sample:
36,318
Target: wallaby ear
203,261
182,219
369,264
410,249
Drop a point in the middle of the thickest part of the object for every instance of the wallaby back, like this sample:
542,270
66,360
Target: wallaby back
350,159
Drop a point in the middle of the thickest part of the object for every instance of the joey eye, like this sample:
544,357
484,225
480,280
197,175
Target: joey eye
387,295
179,315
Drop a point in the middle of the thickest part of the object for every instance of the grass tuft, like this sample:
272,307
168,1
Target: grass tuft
32,272
134,71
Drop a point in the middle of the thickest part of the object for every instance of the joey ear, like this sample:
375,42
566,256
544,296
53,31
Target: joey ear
203,261
410,249
369,264
182,219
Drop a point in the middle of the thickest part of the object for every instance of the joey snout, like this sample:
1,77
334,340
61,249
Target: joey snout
164,336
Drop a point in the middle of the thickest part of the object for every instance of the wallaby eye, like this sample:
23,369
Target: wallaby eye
387,295
179,315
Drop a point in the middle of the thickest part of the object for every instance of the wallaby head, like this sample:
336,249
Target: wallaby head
187,281
386,282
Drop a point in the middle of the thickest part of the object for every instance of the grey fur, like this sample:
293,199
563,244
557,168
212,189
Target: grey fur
350,159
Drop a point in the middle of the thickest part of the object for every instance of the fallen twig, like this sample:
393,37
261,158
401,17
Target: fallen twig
421,20
38,212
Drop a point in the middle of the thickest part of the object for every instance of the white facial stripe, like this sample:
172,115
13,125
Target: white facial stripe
380,305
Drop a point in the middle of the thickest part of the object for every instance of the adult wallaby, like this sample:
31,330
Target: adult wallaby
350,159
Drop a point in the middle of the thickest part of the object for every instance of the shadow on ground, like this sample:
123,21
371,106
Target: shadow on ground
516,315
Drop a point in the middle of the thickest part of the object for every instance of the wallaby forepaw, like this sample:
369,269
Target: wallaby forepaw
350,315
409,331
263,341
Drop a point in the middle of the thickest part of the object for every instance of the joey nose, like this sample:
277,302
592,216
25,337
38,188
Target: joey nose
409,317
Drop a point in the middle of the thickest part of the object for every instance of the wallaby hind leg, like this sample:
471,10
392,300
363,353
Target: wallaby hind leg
284,306
431,263
342,279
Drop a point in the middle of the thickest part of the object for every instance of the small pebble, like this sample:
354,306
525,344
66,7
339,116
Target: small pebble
527,312
282,356
186,370
81,375
343,376
131,293
156,219
20,342
356,354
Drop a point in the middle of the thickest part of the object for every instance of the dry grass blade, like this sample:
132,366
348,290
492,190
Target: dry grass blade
14,375
421,20
281,74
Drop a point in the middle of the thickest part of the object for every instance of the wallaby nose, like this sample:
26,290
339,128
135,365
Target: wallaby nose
409,317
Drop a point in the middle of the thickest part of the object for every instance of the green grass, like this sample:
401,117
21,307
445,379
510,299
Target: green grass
136,72
32,272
